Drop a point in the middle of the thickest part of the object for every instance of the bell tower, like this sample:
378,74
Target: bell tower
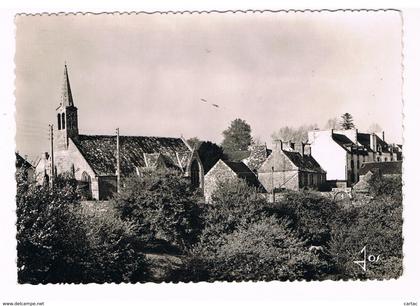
66,113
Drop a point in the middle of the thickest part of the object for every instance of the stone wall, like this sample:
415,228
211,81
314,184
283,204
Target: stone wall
216,175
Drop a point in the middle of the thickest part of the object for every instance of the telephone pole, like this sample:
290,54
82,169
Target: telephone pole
118,160
52,154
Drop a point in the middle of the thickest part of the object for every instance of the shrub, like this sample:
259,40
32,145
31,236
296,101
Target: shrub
162,205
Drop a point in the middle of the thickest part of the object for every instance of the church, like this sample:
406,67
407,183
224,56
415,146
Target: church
92,159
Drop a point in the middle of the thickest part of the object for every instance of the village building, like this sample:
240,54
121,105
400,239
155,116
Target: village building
224,171
91,159
257,156
385,169
291,167
25,167
342,152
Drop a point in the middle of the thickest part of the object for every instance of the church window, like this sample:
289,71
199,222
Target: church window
63,121
59,121
195,174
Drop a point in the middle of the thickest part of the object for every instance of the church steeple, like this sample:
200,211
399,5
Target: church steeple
67,121
66,96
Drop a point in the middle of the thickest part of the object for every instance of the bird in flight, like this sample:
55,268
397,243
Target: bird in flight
204,100
215,105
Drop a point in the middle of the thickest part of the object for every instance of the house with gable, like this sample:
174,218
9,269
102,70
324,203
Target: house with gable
290,167
225,170
342,152
91,159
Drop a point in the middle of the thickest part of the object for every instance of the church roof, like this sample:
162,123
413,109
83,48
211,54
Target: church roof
135,152
66,96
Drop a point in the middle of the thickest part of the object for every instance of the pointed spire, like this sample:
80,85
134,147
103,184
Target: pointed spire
66,96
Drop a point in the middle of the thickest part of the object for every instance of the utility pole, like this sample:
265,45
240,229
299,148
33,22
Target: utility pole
118,160
52,154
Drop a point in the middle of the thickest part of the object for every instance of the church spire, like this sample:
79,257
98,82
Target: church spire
66,96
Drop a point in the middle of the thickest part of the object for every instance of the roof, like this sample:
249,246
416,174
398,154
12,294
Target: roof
349,145
390,167
22,162
258,154
243,172
66,96
305,162
135,151
364,139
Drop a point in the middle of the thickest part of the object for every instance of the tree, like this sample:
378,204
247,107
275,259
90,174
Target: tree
299,134
347,121
262,250
209,154
375,128
332,123
194,142
60,241
237,137
162,206
376,225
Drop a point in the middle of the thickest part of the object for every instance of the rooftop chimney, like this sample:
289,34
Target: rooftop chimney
46,155
383,135
303,149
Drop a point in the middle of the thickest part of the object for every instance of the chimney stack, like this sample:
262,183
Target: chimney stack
46,155
303,149
383,135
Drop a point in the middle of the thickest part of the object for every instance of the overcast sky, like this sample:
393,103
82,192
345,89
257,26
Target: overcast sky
148,74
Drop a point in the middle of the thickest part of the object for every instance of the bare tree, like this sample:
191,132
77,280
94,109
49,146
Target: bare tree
375,128
299,134
332,123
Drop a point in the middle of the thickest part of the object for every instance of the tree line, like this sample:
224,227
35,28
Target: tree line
239,236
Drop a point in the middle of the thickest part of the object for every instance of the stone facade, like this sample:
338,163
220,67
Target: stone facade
288,169
224,171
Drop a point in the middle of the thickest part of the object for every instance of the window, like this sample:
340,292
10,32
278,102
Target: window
195,174
63,121
386,159
378,159
59,121
352,164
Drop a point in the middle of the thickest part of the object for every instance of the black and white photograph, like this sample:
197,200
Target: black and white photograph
199,153
246,146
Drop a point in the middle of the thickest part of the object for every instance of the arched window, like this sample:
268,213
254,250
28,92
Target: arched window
63,121
59,121
195,174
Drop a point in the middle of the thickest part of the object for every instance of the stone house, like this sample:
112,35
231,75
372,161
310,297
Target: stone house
224,171
342,152
387,168
286,168
257,155
91,159
26,167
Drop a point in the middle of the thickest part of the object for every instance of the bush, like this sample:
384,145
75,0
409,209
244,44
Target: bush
376,225
311,215
59,241
162,206
263,250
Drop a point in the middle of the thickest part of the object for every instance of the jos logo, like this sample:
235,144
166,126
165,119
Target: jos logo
366,259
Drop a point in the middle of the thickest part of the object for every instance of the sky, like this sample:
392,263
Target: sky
159,74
